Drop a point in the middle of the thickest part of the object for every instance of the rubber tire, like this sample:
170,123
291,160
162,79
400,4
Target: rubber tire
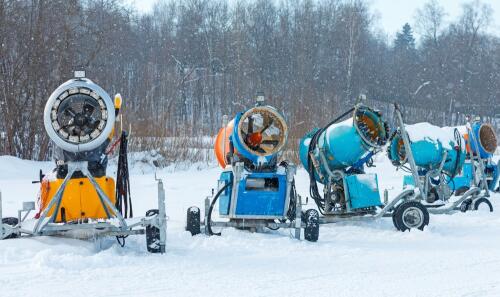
153,234
193,221
460,191
400,225
311,230
394,221
11,221
465,206
482,200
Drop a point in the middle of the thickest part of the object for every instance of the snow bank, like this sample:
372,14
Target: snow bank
457,255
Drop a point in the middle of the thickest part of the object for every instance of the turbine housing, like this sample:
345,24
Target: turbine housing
79,116
257,135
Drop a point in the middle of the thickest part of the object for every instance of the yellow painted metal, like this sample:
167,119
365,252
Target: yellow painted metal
80,199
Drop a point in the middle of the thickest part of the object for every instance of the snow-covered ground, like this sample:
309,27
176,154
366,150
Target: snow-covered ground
457,255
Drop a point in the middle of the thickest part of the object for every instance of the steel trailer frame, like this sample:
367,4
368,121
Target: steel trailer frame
45,225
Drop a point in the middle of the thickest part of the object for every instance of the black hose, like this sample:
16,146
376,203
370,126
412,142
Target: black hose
313,189
458,139
211,208
123,198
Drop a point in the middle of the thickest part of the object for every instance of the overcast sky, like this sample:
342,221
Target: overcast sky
392,14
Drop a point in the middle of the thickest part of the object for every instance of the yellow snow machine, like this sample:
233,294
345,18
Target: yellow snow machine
78,199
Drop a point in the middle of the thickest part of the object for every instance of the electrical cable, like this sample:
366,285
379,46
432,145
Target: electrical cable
123,198
211,208
313,189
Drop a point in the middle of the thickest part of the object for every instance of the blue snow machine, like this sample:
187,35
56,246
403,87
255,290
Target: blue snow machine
335,157
435,157
481,144
255,191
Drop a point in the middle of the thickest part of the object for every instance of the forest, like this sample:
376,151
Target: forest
184,65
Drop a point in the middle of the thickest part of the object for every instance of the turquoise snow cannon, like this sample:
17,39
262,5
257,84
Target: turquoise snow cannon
431,146
347,144
336,155
256,191
435,157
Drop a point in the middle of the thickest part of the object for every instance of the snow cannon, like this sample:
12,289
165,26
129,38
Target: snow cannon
78,199
256,191
432,147
336,156
256,137
483,142
480,169
348,144
436,158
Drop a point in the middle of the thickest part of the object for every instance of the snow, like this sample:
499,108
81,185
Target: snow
457,255
427,132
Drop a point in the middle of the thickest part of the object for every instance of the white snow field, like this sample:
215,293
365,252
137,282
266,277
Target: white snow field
456,255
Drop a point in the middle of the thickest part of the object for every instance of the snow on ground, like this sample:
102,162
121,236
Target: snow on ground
457,255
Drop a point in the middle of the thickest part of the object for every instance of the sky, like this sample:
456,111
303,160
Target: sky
393,14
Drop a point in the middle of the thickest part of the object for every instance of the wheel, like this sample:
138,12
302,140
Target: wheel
394,221
460,191
11,222
193,224
153,234
311,230
466,205
411,215
483,204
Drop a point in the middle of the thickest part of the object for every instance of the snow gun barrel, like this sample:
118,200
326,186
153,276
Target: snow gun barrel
431,146
79,115
257,135
486,139
350,143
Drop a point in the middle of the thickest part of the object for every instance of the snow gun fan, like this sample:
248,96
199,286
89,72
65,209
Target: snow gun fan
255,191
260,135
336,156
436,159
79,199
79,116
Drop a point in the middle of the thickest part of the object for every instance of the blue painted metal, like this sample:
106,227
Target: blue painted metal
428,154
464,179
363,190
476,126
408,181
495,172
268,201
225,198
341,144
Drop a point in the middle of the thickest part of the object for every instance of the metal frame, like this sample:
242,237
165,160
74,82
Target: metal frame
46,225
349,214
256,222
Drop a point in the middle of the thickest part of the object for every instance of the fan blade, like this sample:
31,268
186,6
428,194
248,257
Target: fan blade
88,109
70,112
268,124
270,141
250,125
267,147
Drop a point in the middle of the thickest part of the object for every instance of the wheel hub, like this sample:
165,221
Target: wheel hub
413,217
